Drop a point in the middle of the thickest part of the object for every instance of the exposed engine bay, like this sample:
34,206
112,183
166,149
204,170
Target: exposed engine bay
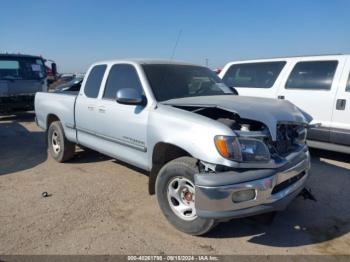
257,113
289,136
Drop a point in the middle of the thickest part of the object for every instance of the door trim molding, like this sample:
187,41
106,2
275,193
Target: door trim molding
114,140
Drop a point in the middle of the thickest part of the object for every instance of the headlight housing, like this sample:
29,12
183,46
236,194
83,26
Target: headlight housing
301,134
242,149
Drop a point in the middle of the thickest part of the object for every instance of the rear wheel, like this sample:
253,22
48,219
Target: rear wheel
59,147
176,196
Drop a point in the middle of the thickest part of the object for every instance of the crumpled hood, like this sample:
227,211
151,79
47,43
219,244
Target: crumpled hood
265,110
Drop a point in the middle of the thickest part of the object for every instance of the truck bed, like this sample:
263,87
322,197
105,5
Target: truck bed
57,105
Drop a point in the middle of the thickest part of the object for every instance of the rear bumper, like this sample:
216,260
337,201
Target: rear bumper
20,102
273,189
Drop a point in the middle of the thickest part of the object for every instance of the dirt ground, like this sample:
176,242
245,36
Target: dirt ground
101,206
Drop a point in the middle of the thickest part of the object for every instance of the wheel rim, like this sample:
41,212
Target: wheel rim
181,197
56,142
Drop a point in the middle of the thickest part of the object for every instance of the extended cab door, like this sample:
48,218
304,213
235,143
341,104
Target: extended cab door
259,79
311,85
340,128
86,108
123,128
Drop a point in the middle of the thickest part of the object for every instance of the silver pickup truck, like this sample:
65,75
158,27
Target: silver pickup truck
211,155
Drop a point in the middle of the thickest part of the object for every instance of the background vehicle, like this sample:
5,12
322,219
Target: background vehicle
319,85
210,156
66,77
51,72
21,76
72,85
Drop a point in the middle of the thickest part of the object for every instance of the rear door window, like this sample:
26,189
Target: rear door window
253,75
93,82
312,75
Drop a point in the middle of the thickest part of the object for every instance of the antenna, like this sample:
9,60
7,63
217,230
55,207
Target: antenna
176,43
166,70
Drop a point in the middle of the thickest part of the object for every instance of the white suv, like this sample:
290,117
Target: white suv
319,85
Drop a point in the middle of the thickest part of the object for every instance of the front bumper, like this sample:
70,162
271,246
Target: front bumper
274,189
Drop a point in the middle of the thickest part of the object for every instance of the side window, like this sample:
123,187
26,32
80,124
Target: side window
348,85
121,76
313,75
254,75
93,82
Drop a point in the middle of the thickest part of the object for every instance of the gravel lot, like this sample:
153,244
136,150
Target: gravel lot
101,206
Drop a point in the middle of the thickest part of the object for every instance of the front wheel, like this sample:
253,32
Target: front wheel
176,196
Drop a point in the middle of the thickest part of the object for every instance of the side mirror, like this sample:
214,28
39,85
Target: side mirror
129,96
54,69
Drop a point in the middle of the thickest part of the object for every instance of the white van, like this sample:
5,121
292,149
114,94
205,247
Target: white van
319,85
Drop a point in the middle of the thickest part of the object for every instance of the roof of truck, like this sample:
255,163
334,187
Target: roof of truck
19,55
288,57
145,61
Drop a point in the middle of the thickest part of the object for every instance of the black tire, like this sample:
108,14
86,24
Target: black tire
184,167
65,149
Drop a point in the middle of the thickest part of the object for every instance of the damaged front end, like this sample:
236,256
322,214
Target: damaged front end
252,144
268,160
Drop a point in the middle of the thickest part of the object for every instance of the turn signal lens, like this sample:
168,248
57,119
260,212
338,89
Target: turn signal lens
242,149
221,146
228,147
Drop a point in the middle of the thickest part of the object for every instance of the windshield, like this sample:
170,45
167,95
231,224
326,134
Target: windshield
21,68
169,81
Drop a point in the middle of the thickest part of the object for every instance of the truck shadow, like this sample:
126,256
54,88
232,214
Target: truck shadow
19,116
305,222
85,155
20,149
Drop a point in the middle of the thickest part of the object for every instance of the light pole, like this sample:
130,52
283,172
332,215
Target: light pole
207,62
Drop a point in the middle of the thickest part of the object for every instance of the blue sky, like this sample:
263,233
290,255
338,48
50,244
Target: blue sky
78,33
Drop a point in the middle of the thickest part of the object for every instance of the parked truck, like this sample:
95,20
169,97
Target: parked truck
211,155
21,76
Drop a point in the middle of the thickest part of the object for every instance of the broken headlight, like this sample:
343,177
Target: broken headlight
242,149
301,133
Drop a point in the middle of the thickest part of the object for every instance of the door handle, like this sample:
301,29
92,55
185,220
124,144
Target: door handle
341,104
102,109
281,97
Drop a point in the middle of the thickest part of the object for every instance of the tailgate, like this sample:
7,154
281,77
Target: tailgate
20,87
